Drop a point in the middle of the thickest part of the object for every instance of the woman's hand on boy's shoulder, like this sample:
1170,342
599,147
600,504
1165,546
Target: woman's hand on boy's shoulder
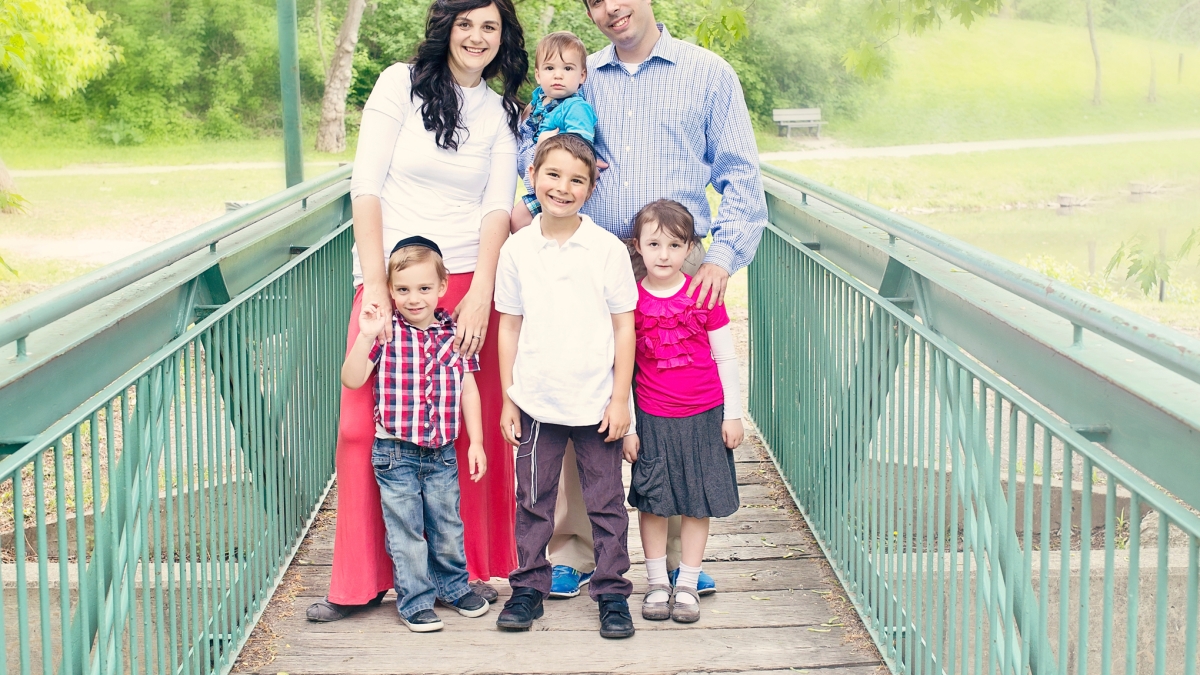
732,432
632,444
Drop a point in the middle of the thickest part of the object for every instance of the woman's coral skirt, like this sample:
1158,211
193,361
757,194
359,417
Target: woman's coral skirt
361,566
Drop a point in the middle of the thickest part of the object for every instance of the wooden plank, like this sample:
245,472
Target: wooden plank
551,652
731,577
763,609
763,621
713,553
870,668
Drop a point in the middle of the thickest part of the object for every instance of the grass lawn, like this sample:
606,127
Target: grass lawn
995,200
993,179
47,153
1004,78
96,219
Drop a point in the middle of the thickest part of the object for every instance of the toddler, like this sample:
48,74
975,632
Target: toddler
560,68
421,386
688,411
565,292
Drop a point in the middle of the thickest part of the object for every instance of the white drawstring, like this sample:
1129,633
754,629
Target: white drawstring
537,430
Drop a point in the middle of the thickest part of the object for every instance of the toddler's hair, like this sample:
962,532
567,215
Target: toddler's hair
561,44
672,218
579,149
408,256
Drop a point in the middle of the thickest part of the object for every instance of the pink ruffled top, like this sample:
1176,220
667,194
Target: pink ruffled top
676,375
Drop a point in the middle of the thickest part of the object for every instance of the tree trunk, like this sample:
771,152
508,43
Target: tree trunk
1097,98
320,39
7,185
331,135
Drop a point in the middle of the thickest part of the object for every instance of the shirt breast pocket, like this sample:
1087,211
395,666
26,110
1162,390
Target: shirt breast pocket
684,127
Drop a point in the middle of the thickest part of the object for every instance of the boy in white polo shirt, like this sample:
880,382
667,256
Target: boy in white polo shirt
565,292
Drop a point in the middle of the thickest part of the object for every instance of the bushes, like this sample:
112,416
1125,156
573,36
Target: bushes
792,56
209,68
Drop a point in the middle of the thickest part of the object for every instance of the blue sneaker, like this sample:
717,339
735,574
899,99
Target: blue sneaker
565,581
705,585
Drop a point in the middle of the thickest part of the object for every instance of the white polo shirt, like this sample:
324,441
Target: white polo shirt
566,295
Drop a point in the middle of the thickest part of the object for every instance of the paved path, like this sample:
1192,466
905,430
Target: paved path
771,616
978,146
124,170
797,155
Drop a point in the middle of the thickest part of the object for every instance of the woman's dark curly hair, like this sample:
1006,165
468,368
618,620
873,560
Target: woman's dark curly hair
433,82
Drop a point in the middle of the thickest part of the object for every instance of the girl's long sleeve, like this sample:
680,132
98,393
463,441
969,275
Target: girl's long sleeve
725,355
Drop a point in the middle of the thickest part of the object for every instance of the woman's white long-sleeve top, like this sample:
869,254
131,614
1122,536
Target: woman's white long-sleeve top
426,190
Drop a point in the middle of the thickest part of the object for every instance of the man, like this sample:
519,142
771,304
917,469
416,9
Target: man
672,120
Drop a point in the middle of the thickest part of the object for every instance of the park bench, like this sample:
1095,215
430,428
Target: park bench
801,118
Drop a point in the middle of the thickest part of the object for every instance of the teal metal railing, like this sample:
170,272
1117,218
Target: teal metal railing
974,529
145,531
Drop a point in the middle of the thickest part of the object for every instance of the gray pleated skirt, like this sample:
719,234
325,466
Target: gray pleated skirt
684,468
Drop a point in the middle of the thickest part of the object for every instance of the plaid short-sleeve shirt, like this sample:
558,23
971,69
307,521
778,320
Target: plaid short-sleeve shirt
418,388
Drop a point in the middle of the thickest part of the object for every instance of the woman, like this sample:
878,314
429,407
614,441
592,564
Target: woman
436,157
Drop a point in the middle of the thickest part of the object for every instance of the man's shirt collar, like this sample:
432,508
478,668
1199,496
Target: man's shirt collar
666,48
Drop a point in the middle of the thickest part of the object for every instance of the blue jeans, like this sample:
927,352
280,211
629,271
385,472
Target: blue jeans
419,490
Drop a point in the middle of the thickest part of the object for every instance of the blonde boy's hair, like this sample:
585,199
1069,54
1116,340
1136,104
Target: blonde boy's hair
414,255
561,44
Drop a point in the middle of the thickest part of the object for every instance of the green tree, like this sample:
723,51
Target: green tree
887,19
50,49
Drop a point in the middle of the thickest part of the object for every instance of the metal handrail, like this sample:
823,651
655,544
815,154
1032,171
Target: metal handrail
1163,345
21,319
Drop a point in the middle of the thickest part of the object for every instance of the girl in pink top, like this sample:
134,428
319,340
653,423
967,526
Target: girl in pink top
689,415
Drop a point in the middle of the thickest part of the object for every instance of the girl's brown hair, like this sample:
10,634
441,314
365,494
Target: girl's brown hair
672,218
576,146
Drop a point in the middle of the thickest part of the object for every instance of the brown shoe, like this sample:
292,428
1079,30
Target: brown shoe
685,612
485,591
656,611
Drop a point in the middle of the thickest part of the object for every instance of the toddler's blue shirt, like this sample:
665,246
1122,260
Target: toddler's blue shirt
571,115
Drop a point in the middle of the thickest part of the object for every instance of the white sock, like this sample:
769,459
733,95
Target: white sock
689,577
656,573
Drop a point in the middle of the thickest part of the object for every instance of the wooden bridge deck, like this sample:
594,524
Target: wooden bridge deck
779,610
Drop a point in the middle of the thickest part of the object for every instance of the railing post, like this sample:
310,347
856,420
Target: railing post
289,88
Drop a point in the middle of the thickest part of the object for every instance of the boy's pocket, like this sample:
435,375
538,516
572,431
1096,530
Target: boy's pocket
648,479
381,456
449,456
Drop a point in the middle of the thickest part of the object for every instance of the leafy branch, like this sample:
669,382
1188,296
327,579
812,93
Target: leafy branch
723,26
1148,268
892,17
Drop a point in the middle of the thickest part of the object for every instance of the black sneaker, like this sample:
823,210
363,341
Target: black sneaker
615,621
424,621
522,608
471,605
